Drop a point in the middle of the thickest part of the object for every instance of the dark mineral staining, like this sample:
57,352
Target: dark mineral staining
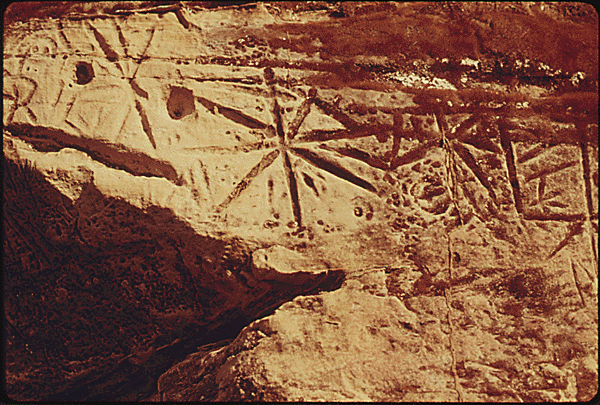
84,73
525,285
531,288
180,103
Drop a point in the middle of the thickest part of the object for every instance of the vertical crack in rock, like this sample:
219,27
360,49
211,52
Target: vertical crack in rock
449,165
448,300
585,159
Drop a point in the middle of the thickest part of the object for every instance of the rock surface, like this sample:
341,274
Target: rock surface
362,343
173,172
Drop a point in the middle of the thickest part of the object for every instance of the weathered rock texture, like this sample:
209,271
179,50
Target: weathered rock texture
173,172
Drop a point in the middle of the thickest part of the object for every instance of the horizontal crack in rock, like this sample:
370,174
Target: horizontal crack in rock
113,156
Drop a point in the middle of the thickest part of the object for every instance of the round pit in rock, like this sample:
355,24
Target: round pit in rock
180,103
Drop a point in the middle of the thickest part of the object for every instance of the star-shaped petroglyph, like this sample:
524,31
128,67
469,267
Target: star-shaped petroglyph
286,146
478,133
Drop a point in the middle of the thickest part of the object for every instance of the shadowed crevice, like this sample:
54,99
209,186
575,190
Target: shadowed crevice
510,164
111,155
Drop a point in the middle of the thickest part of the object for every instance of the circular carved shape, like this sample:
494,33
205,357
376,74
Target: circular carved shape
431,194
180,103
84,72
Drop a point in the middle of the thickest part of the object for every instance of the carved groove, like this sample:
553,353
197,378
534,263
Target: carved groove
574,230
135,163
550,170
470,161
333,168
232,114
301,114
110,54
265,162
358,155
145,123
512,170
412,156
293,188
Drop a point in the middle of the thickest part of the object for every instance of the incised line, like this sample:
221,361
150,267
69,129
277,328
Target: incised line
265,162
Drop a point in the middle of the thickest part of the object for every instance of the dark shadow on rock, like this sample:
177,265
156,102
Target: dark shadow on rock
102,297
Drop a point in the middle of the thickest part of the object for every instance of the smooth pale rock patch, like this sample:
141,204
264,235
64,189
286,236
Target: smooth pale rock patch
345,345
278,263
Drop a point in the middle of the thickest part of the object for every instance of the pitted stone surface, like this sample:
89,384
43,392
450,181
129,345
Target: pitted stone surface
158,157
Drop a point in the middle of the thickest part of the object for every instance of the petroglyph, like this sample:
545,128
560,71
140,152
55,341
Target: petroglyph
410,148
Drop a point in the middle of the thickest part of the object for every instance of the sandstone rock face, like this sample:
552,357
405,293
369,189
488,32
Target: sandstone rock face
174,172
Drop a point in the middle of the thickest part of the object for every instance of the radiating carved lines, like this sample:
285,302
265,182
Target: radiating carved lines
265,162
289,144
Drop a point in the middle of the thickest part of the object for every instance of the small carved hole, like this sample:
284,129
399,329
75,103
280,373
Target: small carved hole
84,73
180,103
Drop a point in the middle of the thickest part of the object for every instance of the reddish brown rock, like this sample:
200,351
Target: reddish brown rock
174,171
